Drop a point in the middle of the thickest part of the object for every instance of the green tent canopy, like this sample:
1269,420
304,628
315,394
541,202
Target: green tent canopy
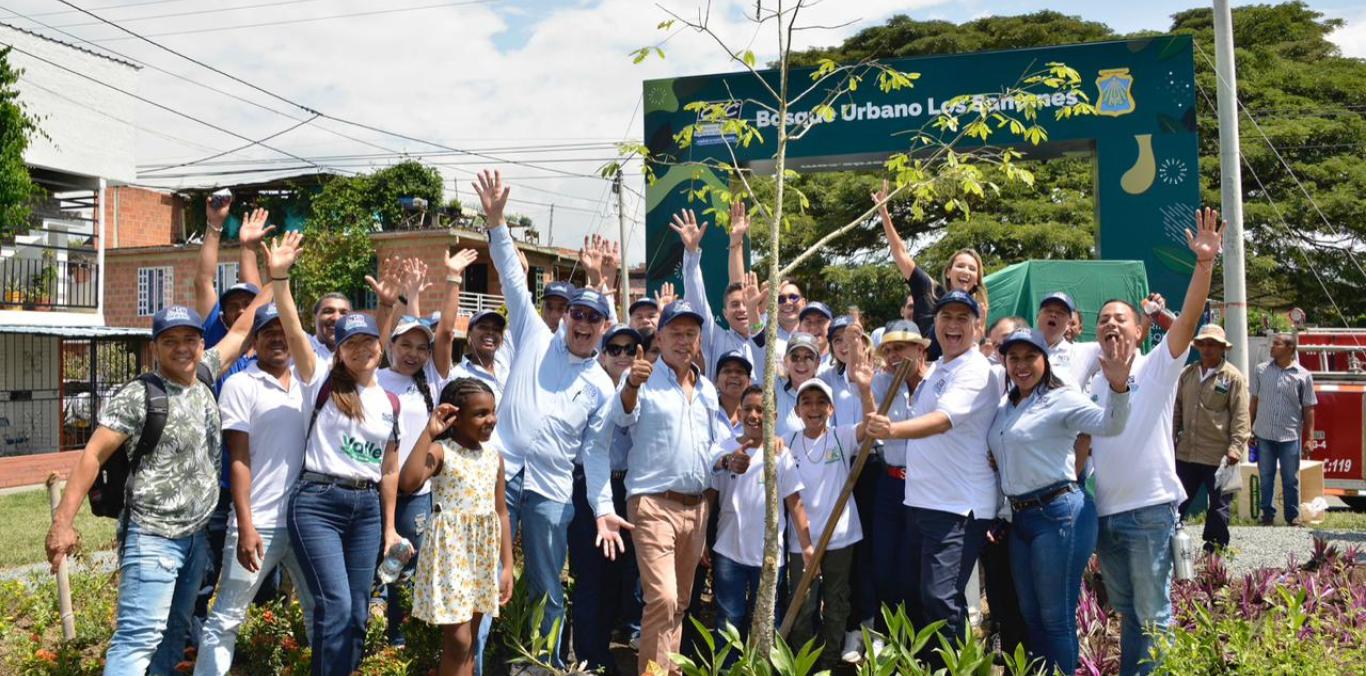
1017,290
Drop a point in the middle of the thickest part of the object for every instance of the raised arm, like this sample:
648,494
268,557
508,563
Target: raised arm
387,290
253,233
1205,243
445,328
235,342
205,296
280,257
900,255
523,319
1116,359
739,228
694,285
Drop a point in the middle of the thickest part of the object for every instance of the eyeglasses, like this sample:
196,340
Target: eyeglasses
616,350
789,297
588,316
801,357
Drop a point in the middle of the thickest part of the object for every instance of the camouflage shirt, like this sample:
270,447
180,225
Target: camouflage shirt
175,488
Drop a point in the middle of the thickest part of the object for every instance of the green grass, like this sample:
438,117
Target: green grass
1342,520
26,517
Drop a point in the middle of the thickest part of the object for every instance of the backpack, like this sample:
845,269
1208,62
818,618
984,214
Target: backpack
109,492
325,393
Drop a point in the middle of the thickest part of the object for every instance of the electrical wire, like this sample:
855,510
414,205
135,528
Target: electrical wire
197,12
290,22
230,151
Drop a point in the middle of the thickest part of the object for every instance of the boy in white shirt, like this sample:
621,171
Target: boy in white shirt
737,557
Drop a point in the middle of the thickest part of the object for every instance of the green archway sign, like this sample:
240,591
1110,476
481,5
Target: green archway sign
1143,141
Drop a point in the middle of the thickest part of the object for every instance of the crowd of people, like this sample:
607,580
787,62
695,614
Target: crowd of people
631,450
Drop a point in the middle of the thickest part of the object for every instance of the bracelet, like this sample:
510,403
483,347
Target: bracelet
384,304
402,299
273,278
454,279
213,229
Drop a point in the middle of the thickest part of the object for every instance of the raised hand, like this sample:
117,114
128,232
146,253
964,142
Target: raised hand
611,262
254,228
216,216
390,283
641,368
415,279
1208,240
443,416
665,294
282,253
456,263
685,224
590,259
493,196
1116,358
739,223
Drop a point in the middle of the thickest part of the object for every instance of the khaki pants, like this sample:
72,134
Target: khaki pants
669,539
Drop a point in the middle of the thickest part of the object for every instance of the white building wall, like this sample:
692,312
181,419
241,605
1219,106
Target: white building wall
88,125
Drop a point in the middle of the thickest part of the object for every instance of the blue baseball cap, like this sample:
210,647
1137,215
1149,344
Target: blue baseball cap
240,287
489,314
354,324
1059,297
563,290
641,302
840,323
621,330
816,306
173,317
264,315
958,297
735,356
1024,336
678,309
591,299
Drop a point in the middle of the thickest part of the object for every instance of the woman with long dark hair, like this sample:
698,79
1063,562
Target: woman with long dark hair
334,515
1054,528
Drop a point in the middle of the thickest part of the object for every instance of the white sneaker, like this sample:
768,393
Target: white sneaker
853,647
878,646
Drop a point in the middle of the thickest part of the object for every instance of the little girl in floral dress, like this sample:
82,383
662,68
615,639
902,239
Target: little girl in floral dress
468,540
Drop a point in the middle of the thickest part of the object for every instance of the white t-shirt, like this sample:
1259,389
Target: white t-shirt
1137,467
1075,363
275,418
950,472
413,414
346,447
740,525
822,468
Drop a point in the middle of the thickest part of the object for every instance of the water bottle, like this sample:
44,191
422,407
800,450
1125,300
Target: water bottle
395,560
1183,554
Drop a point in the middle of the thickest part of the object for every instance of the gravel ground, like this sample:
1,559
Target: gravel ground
1257,547
100,562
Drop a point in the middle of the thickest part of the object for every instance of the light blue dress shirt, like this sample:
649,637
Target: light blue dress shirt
554,404
893,450
675,442
716,341
1032,441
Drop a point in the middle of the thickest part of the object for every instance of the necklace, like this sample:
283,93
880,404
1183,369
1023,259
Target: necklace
806,449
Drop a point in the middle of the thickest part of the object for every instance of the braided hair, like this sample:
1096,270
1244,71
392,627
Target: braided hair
420,380
457,392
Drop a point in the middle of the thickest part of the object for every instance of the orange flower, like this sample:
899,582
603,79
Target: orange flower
45,655
35,637
290,644
268,617
185,667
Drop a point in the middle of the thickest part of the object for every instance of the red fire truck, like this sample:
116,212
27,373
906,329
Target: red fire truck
1337,358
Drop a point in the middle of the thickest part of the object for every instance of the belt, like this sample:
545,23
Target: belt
685,499
319,478
1041,500
618,474
895,472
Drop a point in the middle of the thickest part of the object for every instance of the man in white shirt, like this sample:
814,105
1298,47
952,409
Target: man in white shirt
950,487
1137,487
1074,363
327,310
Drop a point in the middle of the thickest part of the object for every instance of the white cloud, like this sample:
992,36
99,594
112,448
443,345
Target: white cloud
1351,39
438,74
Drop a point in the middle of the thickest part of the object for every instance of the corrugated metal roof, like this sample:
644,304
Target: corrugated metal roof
77,331
76,47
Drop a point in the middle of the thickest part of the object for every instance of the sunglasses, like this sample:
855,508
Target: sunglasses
789,298
588,316
616,350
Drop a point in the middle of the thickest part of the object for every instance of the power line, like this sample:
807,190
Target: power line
286,22
381,156
197,12
230,151
87,106
122,6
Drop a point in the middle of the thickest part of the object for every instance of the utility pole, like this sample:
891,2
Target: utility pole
550,230
624,285
1231,187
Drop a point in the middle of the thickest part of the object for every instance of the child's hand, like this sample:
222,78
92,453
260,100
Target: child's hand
505,586
442,419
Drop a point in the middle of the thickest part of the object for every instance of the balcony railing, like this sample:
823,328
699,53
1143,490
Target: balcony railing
45,277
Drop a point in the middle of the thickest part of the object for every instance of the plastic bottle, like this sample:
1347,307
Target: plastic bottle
395,560
1183,554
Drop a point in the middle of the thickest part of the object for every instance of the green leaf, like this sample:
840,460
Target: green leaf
748,58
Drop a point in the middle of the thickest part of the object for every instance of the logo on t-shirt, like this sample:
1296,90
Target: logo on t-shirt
362,450
939,386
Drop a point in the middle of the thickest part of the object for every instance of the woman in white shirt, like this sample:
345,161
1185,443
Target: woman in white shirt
334,516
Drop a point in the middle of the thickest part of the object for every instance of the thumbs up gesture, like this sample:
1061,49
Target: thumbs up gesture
641,368
738,462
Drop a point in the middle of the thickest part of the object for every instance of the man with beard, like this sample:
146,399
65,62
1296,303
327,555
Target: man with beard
329,307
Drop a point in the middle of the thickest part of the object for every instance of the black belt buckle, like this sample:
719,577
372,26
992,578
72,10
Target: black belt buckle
1040,501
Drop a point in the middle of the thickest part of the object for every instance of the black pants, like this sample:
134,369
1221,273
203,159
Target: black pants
1006,621
1193,477
943,551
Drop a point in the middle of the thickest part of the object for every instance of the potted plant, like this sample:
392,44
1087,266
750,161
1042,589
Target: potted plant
43,283
14,296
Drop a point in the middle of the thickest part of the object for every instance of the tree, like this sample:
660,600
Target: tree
17,127
934,178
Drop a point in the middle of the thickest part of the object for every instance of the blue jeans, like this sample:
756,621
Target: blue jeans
236,588
158,581
1287,453
605,592
411,513
891,551
943,553
1049,548
216,532
336,533
736,586
1135,550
